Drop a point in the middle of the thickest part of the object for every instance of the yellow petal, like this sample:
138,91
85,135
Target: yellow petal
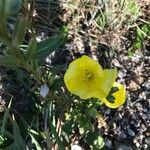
103,84
119,96
109,77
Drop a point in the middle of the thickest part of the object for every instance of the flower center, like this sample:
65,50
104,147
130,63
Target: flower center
88,75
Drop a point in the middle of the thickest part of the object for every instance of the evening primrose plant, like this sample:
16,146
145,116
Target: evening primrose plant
54,115
86,79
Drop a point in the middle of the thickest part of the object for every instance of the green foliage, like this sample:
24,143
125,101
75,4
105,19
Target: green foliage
79,118
31,49
116,13
101,20
93,138
141,33
134,10
51,121
30,59
8,7
46,47
9,61
19,31
6,115
19,143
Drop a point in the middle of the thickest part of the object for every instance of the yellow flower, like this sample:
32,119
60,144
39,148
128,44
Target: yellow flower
117,98
86,78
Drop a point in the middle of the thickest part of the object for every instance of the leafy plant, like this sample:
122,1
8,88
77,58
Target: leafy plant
141,33
49,120
116,13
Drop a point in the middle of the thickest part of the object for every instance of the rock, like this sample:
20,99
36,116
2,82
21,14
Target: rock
124,147
108,143
122,135
75,147
131,132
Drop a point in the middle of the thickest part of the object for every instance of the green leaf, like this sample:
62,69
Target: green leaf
81,130
101,20
38,147
57,84
18,140
9,61
57,69
58,140
92,112
46,47
133,8
99,142
83,121
139,34
32,47
4,34
146,29
7,134
6,115
19,32
1,139
68,127
11,147
91,137
53,128
10,6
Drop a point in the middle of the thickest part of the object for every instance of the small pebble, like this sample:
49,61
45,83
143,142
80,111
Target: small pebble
145,146
131,133
122,135
108,143
137,144
75,147
124,147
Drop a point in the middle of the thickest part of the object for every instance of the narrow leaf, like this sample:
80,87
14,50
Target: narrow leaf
19,32
6,115
9,61
32,47
18,140
46,47
58,140
38,147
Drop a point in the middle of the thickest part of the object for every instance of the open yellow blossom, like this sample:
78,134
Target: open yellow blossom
118,97
86,78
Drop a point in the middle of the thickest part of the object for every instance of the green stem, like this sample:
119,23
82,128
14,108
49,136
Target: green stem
31,70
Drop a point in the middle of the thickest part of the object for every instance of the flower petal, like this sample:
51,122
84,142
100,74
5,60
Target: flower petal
110,76
119,96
